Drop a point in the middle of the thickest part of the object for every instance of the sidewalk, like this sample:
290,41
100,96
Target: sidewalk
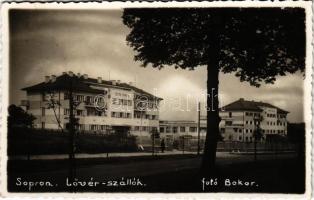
99,155
139,154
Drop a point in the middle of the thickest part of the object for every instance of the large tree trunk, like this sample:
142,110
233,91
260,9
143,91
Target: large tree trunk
209,157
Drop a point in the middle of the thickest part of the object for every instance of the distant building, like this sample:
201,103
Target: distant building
174,129
102,106
240,118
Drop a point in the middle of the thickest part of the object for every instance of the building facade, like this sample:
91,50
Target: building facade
241,118
101,106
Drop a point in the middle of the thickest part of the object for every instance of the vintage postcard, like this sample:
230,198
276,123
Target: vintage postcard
138,99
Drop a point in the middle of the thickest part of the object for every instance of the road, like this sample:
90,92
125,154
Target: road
145,168
165,174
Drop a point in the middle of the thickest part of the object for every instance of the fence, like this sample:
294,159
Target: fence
191,144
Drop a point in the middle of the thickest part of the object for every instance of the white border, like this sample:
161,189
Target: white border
120,5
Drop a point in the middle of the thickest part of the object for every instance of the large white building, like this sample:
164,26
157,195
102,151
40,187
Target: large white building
240,118
102,106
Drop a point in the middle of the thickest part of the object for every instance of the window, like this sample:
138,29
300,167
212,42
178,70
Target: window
136,128
81,127
240,130
228,123
125,102
89,100
115,101
192,129
175,129
99,113
120,101
43,111
240,138
93,127
90,111
66,96
168,129
182,129
113,114
79,112
79,98
222,130
43,124
230,114
162,129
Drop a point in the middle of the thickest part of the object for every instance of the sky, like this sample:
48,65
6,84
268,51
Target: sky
93,42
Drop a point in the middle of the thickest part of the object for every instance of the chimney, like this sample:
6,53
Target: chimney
99,80
71,73
241,99
64,73
118,81
53,78
47,79
85,76
78,75
131,83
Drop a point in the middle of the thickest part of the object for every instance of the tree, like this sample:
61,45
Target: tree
19,118
68,84
54,104
257,44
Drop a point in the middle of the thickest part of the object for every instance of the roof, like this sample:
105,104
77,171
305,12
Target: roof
242,104
81,84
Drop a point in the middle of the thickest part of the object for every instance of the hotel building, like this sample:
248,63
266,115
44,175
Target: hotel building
101,106
240,118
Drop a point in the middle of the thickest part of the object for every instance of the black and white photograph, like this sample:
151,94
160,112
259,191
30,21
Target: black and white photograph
171,98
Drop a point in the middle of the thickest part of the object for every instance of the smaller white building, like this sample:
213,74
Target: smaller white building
240,118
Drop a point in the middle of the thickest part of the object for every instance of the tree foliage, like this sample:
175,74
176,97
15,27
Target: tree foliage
257,44
19,118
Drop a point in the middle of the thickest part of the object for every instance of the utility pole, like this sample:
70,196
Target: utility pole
72,171
198,129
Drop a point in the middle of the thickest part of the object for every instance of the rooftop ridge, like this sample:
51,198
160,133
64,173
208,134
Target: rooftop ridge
250,105
84,84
